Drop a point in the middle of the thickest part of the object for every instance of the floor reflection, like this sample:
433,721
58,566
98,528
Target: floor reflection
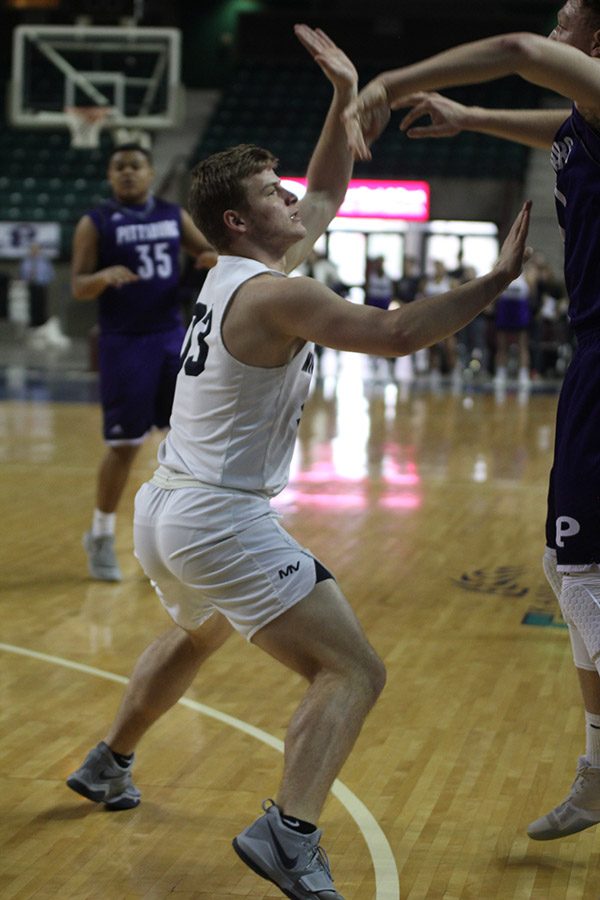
370,437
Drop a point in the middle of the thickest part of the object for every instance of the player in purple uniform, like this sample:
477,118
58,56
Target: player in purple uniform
568,63
126,253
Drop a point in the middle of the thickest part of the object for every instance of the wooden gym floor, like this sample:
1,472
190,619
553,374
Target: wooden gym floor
429,508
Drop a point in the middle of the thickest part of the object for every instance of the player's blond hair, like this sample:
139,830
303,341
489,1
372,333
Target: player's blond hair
217,185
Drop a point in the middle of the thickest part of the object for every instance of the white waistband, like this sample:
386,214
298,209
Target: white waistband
169,480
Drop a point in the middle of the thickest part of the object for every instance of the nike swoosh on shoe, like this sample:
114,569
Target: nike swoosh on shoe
288,862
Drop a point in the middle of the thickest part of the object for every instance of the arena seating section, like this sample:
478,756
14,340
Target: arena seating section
43,179
281,107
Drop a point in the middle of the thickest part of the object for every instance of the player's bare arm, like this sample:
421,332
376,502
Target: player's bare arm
330,167
331,163
194,242
88,282
569,71
271,317
447,118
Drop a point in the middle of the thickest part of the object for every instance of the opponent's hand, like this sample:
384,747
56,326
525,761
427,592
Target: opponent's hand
366,117
340,70
514,251
448,118
117,276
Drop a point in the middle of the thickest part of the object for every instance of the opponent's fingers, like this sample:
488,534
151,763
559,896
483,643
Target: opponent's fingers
413,115
356,140
432,131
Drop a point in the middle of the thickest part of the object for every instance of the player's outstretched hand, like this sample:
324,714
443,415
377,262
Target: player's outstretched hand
338,68
514,251
365,118
447,118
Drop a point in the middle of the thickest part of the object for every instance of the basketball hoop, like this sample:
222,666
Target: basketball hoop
85,124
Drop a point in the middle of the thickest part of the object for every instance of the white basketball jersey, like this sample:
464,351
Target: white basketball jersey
232,425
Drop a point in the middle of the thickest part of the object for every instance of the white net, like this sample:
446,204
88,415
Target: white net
85,124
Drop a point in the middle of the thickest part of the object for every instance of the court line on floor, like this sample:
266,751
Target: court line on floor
387,885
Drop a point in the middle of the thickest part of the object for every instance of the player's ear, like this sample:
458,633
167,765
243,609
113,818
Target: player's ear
233,220
595,51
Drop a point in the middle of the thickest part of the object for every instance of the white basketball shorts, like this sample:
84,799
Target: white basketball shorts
210,549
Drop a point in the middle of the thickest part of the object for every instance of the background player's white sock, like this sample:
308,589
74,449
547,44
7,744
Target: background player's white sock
103,523
592,738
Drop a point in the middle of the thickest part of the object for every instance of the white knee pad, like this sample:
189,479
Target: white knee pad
580,605
553,577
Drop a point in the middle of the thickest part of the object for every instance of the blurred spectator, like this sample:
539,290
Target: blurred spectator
410,283
379,292
549,331
319,267
4,282
513,319
37,272
379,287
443,357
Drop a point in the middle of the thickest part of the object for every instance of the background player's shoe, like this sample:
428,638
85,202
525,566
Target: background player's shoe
292,861
102,562
103,780
580,810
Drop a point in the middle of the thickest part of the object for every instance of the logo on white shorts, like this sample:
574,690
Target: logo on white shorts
289,570
566,527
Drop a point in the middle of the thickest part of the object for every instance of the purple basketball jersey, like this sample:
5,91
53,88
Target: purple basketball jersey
576,161
146,239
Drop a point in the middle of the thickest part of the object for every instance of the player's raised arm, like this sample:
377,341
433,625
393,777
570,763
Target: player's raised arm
565,69
304,308
330,166
447,118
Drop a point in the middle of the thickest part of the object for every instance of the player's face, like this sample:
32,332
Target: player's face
130,176
272,211
574,26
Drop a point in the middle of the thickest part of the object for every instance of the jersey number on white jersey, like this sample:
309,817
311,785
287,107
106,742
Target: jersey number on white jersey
195,348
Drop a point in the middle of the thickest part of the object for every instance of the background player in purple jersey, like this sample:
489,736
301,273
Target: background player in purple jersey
126,253
569,64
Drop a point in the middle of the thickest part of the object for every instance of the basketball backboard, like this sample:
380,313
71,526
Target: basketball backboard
134,71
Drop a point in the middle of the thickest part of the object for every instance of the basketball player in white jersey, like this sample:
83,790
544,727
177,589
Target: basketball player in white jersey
204,530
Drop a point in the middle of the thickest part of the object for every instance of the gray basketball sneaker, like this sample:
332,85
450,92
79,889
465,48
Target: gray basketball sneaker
292,861
102,562
102,780
580,810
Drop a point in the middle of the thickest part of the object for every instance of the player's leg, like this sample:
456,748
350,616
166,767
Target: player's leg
129,373
580,603
161,676
501,363
524,356
113,474
99,542
321,639
573,544
163,672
